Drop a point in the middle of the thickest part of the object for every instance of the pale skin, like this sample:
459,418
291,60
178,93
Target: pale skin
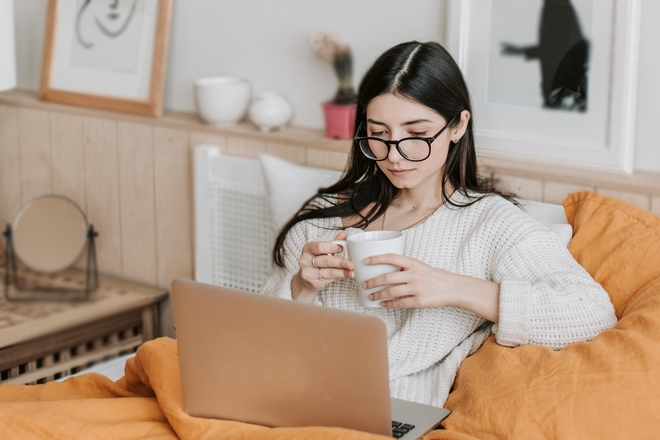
417,284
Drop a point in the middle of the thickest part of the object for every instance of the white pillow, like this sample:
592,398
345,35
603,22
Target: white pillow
290,185
552,216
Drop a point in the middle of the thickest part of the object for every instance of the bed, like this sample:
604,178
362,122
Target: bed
240,204
605,388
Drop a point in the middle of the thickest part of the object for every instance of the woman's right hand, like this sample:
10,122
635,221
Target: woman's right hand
318,268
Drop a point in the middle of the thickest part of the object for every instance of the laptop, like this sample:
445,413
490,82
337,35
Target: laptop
268,361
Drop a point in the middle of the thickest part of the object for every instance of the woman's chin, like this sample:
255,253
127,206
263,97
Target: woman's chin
402,183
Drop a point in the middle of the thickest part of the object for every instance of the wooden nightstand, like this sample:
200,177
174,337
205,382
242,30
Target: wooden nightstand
42,341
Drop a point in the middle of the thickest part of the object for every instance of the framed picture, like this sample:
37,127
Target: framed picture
550,80
109,54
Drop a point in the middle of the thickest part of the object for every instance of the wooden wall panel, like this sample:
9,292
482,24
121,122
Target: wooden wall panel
556,192
174,211
68,156
35,153
10,175
137,202
245,147
174,205
334,160
102,191
199,137
655,205
641,200
291,153
528,189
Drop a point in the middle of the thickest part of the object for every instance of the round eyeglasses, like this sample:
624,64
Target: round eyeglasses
414,149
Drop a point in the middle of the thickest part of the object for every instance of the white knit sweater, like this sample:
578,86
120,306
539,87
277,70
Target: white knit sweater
546,297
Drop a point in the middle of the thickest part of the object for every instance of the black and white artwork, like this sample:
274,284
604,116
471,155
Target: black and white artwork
551,80
107,35
539,53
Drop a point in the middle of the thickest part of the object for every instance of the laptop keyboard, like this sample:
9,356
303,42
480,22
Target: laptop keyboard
400,429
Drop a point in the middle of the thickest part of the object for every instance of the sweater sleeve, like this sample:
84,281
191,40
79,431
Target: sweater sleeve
278,282
546,297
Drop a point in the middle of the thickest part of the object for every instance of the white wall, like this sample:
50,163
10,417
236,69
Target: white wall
263,40
266,41
647,148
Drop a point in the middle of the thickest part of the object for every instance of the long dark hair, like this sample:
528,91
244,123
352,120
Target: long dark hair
427,74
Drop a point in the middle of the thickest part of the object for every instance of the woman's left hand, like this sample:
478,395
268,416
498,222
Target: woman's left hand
419,285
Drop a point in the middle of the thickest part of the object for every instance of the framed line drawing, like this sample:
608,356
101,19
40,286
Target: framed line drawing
552,81
109,54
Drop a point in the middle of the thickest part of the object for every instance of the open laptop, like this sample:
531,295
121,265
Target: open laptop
273,362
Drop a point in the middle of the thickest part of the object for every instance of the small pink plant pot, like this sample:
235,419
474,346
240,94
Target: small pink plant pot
339,120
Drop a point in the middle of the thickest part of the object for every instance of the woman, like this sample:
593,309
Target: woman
472,257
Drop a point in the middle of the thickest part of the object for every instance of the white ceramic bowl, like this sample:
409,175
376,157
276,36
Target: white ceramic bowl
222,100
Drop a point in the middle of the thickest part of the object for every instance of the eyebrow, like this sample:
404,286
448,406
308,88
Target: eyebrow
416,121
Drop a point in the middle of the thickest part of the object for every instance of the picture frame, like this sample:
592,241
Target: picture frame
512,99
107,54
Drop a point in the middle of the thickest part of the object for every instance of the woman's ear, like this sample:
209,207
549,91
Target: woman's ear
458,131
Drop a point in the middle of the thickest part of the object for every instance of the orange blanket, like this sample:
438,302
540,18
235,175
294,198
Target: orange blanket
605,388
145,404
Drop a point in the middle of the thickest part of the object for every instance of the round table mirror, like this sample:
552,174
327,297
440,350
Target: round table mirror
49,234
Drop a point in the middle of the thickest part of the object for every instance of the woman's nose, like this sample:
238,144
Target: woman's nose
393,155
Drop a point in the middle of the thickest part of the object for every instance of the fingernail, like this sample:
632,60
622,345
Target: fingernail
364,285
371,297
367,260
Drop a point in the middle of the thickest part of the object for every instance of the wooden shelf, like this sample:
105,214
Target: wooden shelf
301,136
642,182
639,182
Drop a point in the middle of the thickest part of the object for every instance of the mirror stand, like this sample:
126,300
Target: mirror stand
48,287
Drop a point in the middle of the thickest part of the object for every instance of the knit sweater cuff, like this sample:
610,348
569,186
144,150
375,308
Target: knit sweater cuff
280,288
283,289
512,329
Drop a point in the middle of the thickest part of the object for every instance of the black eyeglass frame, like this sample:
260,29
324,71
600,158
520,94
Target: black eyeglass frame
428,140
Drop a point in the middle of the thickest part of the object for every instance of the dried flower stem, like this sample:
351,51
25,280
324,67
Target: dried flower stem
339,55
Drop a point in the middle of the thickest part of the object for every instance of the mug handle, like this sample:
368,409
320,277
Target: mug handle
342,243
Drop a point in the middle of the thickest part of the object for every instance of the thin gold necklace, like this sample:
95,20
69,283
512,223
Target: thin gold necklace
409,226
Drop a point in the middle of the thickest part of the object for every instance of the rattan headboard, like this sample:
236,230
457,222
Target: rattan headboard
233,232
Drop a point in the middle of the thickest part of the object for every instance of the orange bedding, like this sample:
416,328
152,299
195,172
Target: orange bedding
605,388
145,404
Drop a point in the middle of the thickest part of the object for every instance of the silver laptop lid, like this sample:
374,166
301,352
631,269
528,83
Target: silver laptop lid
273,362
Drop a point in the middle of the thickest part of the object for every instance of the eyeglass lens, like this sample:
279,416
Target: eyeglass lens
413,149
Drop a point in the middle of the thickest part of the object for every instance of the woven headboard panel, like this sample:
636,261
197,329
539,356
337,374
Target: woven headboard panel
233,232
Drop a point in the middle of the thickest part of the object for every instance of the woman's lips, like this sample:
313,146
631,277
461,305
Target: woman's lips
399,172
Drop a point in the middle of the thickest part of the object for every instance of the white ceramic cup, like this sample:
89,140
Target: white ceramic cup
362,245
222,100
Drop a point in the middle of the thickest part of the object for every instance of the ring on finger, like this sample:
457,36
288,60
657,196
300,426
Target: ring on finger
314,265
320,276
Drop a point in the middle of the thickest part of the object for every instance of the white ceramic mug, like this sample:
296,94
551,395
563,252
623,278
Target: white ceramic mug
222,100
366,244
